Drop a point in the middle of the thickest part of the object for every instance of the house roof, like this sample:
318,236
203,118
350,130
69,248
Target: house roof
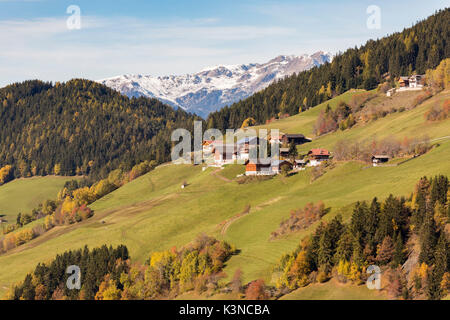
380,156
207,142
294,135
404,78
284,149
319,152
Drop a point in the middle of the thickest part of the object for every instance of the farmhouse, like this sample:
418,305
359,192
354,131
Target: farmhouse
276,139
316,156
403,82
207,146
225,154
284,153
416,81
265,169
244,145
300,164
412,83
377,159
258,169
296,139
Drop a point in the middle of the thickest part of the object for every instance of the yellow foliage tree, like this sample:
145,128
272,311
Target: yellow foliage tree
439,78
108,290
68,205
5,174
57,169
248,122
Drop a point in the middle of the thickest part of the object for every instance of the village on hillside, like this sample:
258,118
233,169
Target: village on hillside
219,153
222,154
288,160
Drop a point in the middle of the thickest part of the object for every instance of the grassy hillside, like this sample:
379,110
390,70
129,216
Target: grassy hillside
304,122
332,290
398,125
23,195
154,213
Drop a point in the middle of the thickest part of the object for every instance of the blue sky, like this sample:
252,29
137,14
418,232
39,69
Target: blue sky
176,37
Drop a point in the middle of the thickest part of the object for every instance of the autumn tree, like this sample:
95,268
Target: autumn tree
385,251
256,290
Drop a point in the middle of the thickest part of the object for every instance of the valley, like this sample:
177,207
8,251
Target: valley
152,213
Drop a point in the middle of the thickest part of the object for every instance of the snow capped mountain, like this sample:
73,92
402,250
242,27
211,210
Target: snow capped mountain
216,87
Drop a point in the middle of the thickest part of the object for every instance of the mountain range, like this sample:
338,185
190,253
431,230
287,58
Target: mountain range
213,88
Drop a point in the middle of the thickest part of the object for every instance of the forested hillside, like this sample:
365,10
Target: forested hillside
415,49
81,127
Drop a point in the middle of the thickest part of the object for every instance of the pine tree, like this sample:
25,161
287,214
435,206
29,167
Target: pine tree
293,153
434,290
399,251
385,226
359,219
441,255
385,251
358,253
427,239
371,223
344,247
19,219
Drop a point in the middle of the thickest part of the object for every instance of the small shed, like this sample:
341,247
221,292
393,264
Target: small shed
378,159
284,152
298,164
403,82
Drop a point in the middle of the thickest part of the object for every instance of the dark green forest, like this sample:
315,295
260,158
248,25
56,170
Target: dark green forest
82,127
414,50
387,234
49,280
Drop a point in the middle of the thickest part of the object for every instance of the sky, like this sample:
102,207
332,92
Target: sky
39,39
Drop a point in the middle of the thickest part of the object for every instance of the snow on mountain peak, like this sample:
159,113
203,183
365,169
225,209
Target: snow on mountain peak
215,87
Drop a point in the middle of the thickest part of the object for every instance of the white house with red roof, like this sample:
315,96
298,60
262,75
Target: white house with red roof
317,156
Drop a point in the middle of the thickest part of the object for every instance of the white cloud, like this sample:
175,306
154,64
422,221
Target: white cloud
44,48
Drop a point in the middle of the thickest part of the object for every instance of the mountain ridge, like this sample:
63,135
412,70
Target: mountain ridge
215,87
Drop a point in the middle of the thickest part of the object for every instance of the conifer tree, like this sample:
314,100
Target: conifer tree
399,250
385,251
427,239
371,223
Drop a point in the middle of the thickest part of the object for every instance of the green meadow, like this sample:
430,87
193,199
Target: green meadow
154,213
332,290
23,195
304,122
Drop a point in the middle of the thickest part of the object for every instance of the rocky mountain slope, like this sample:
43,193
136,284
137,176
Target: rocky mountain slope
213,88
